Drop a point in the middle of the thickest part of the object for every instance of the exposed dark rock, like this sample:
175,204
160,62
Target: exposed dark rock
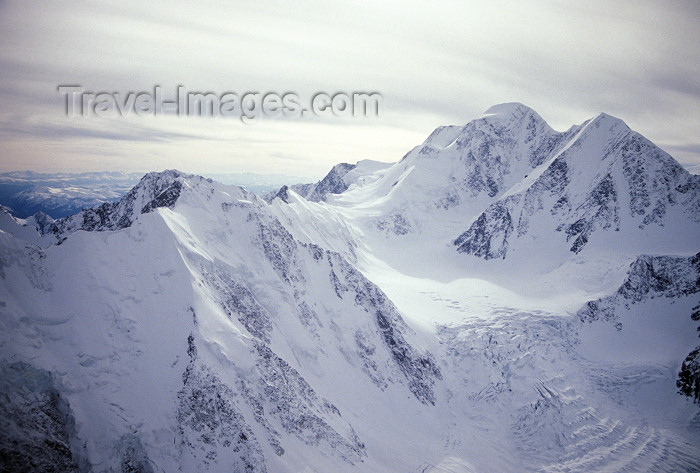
165,199
279,247
601,211
283,194
332,183
396,224
43,222
153,191
688,382
210,422
647,278
488,236
236,299
36,422
133,456
300,410
629,165
420,370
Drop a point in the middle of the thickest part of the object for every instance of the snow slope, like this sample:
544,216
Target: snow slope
507,184
191,331
191,326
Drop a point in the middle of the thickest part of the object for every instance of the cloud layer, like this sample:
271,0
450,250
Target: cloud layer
434,64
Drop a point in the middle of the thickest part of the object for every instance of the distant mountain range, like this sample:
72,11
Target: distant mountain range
61,194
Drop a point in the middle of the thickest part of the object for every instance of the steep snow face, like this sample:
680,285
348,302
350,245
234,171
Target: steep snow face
188,329
650,322
28,229
436,189
487,155
571,210
545,222
204,336
609,185
647,278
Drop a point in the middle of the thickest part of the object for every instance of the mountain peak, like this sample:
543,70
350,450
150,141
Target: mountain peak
609,121
168,175
601,177
513,117
154,190
508,110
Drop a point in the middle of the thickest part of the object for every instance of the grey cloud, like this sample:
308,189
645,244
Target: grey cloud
67,132
688,149
683,81
432,65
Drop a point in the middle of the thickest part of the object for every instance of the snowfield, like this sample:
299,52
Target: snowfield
506,298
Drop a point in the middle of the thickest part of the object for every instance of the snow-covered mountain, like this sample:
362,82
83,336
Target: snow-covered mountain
186,312
192,326
506,185
606,179
462,168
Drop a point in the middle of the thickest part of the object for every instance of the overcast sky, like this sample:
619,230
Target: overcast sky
434,63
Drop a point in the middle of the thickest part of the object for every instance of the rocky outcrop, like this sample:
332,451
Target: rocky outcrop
153,191
688,382
36,422
210,423
332,183
420,369
488,237
649,277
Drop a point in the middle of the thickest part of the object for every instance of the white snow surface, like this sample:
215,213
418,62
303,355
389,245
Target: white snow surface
139,324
